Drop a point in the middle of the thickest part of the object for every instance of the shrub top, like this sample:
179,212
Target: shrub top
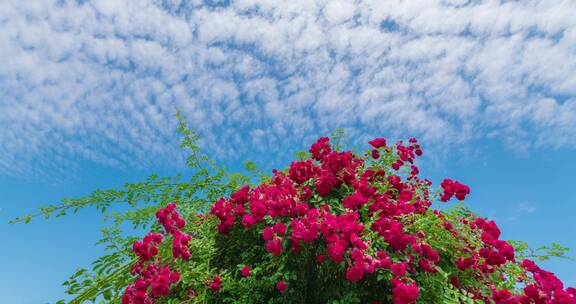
337,227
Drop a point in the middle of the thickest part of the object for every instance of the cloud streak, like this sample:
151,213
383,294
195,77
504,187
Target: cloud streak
99,80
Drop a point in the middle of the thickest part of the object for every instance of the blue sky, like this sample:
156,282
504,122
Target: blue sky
88,91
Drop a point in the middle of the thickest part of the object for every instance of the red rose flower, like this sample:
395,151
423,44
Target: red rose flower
378,143
281,286
245,271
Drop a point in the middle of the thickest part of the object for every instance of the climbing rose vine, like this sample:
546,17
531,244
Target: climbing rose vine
337,227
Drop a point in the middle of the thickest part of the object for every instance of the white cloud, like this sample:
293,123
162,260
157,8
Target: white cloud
100,81
521,210
527,208
339,11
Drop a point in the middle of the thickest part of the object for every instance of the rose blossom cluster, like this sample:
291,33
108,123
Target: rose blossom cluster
154,280
172,222
547,288
344,235
215,284
291,211
148,247
453,188
493,252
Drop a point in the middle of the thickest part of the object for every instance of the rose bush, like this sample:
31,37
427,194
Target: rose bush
333,227
336,227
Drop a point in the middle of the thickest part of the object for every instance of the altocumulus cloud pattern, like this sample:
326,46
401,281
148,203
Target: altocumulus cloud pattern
100,80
